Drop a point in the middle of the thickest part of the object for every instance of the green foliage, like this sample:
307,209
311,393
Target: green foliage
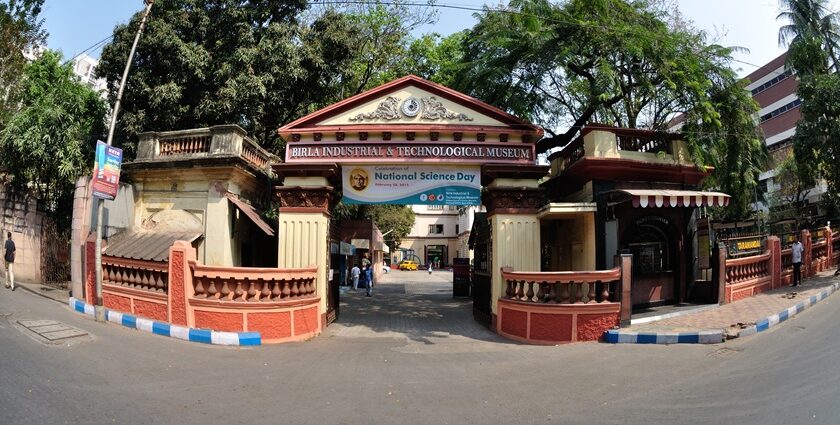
396,219
813,32
817,138
434,58
623,63
732,143
20,30
49,142
207,62
794,184
384,48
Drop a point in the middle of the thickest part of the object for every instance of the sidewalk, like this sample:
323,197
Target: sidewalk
744,313
55,294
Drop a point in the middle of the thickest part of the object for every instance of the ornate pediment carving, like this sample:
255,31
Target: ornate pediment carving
433,110
387,110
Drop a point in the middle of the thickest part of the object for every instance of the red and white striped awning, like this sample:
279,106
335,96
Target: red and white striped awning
648,198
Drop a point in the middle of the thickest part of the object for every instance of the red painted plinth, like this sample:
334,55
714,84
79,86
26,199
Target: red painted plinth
555,323
281,321
742,290
141,303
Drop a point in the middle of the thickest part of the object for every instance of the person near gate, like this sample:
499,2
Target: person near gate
368,279
796,251
354,274
9,260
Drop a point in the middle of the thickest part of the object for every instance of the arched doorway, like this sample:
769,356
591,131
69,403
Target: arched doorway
651,239
379,146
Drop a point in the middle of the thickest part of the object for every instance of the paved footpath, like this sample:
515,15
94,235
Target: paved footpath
744,313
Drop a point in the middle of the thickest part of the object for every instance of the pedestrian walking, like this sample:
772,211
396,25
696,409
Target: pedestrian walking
9,260
796,251
368,279
430,268
354,273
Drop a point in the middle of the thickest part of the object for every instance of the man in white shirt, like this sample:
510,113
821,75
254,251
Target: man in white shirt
796,251
354,273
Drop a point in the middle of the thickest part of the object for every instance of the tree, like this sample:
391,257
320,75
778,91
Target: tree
732,143
793,185
434,58
813,34
255,63
48,143
384,48
629,64
395,220
20,31
810,20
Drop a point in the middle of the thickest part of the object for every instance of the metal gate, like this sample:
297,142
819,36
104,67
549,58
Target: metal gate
55,255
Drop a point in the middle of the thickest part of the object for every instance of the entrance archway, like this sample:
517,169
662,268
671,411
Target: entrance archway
356,149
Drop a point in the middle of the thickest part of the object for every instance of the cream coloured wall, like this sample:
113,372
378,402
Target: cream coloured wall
303,243
201,193
515,243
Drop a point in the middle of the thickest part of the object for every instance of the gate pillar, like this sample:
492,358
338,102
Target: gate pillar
512,197
305,197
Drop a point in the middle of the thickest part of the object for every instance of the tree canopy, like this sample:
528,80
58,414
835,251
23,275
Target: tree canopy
206,62
48,143
630,64
813,34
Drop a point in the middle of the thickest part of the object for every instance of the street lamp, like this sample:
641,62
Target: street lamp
100,204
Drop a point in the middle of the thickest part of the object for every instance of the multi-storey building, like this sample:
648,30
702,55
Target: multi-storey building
773,86
434,236
85,67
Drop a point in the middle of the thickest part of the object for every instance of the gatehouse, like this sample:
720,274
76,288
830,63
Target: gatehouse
563,252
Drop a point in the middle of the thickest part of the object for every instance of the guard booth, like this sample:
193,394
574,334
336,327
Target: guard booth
460,277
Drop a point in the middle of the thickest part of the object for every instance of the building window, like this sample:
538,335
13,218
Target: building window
457,227
776,80
435,207
435,229
781,110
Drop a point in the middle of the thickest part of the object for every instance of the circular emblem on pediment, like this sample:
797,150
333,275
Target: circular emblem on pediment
411,107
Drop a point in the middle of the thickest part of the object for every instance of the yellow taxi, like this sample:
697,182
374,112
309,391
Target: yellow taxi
408,265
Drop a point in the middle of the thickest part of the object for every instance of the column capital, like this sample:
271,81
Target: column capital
315,199
513,200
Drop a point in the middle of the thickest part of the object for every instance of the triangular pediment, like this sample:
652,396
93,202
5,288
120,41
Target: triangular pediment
411,105
410,101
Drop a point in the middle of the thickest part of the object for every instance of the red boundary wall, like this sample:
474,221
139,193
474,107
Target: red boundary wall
276,321
775,276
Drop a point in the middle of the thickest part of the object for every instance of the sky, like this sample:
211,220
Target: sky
76,25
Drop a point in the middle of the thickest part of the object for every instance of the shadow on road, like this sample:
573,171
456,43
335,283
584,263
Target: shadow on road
409,304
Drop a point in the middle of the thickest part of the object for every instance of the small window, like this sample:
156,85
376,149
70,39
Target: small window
435,229
435,207
457,227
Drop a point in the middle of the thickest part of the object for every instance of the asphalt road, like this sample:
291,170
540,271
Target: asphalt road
392,360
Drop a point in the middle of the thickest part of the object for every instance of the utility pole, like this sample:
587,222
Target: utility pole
100,203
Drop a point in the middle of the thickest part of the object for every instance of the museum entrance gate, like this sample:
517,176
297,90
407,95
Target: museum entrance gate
410,142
